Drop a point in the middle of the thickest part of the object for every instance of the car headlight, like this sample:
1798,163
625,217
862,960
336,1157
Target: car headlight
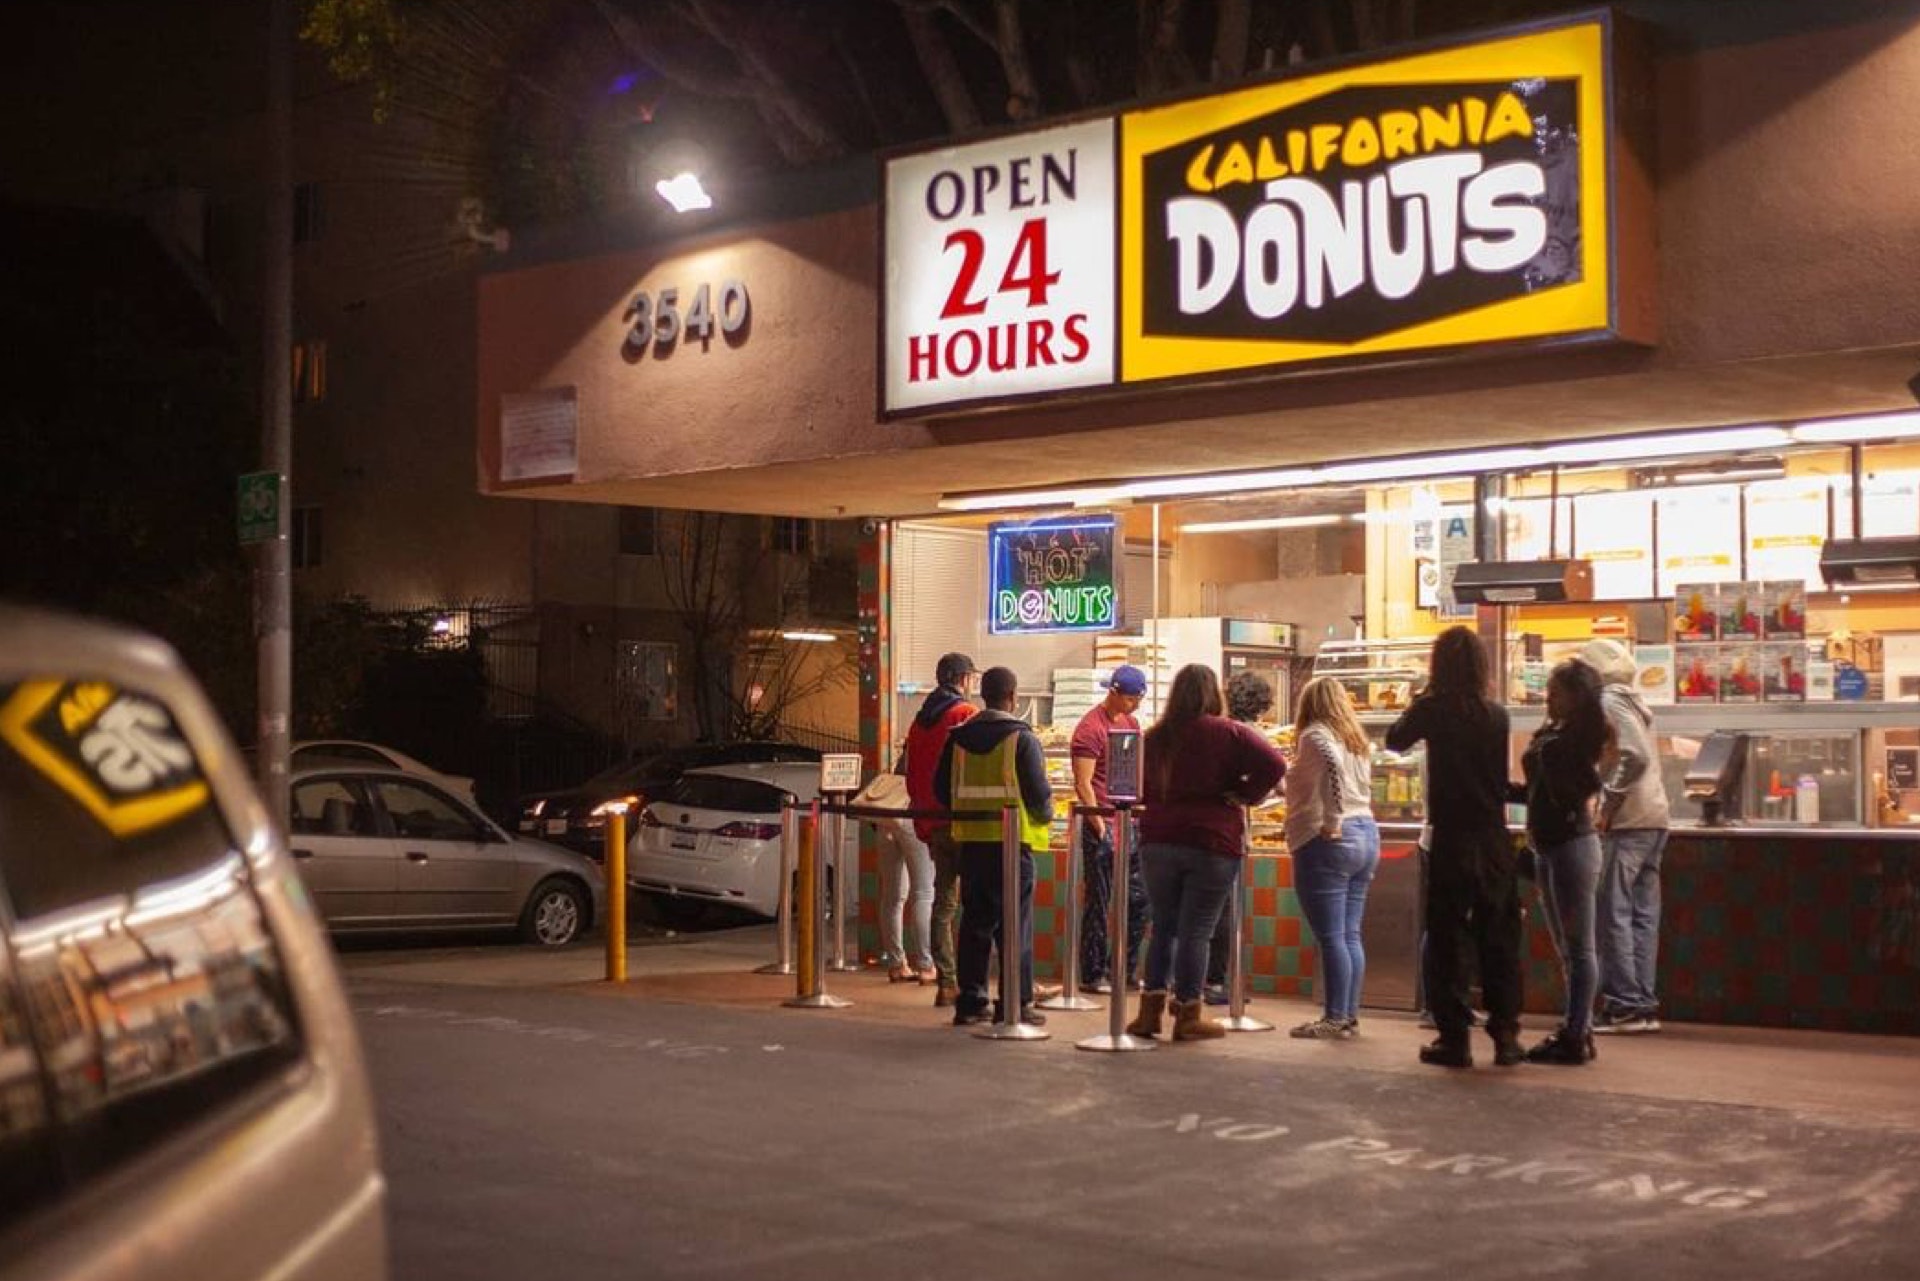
618,805
535,810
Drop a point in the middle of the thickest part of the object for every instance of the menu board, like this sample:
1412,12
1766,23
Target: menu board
1699,536
1786,526
1615,532
1531,534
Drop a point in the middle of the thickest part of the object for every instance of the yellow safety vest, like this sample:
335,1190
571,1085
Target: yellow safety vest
991,781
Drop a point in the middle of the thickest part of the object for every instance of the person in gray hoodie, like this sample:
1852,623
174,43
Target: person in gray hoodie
1633,824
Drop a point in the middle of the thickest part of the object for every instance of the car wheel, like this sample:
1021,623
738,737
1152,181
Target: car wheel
556,913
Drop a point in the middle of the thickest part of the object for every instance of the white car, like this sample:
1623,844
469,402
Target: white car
715,837
320,753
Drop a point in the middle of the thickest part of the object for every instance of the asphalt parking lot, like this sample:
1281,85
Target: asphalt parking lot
537,1121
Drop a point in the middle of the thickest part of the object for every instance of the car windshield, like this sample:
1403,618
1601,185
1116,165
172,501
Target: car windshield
718,792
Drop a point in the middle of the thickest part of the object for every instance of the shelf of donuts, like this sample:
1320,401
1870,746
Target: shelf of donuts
1268,829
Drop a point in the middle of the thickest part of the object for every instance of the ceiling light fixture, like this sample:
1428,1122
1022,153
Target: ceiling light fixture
1410,467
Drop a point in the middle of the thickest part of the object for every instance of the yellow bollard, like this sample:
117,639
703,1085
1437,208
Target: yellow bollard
806,915
616,898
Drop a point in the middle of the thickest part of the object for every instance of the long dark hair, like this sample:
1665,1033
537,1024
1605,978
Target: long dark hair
1195,693
1584,725
1457,675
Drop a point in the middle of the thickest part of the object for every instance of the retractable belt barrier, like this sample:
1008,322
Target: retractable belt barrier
1116,1039
801,881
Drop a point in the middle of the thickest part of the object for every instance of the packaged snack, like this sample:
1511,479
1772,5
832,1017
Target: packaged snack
1694,607
1785,616
1739,611
1786,672
1698,668
1740,673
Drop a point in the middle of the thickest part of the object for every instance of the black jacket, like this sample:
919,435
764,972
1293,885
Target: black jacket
1466,761
981,734
1562,781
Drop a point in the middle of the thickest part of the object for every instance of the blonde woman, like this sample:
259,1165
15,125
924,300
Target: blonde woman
1335,846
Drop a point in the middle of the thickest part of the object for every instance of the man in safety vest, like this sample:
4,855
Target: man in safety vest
989,762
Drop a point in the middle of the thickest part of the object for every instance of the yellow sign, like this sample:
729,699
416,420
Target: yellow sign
1461,196
116,753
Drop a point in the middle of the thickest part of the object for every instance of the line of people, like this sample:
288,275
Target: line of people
1596,822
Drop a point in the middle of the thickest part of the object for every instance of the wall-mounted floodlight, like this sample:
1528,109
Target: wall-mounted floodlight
684,192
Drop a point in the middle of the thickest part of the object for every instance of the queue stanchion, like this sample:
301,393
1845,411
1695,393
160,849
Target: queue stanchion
836,889
789,868
812,970
1012,942
1116,1039
1070,998
1238,1020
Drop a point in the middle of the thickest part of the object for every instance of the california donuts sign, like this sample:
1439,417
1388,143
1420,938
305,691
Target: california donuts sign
1449,198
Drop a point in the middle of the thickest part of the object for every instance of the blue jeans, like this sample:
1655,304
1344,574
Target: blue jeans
906,883
1188,888
1331,876
1569,879
1630,919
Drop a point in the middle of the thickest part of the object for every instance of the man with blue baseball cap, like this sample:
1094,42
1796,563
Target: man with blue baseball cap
1126,685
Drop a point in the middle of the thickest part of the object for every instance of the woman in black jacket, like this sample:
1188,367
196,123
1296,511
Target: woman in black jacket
1562,766
1473,887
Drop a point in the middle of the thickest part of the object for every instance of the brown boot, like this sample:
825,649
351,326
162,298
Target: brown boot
1153,1009
1190,1022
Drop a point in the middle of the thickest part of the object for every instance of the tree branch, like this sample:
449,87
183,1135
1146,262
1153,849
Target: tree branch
942,70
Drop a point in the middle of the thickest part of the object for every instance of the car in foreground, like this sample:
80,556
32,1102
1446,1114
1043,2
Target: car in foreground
576,817
714,838
388,852
182,1092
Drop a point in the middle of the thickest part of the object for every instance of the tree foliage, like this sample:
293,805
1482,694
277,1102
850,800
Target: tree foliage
555,103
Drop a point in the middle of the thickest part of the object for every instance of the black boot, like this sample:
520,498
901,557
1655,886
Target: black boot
1565,1048
1445,1053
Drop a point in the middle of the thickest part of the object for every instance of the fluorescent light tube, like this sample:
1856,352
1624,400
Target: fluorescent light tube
1846,430
1266,522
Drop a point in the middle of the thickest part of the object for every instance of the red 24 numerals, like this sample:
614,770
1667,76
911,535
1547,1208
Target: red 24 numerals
1026,269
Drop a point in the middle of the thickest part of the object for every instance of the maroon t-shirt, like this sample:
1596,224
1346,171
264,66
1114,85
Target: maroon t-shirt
1090,742
1217,764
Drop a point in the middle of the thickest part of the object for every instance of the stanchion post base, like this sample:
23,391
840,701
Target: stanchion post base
844,967
1069,1001
821,1001
1245,1023
1012,1032
776,967
1115,1044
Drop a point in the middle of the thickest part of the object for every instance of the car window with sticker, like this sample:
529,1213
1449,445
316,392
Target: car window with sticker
144,980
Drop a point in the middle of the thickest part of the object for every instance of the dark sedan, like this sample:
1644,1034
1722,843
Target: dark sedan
577,816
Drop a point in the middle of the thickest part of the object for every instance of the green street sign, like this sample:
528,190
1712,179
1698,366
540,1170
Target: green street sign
259,503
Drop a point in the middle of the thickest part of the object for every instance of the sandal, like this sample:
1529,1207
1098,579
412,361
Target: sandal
901,974
927,976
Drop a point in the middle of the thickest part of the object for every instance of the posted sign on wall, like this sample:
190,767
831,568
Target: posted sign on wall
1456,197
999,268
1052,575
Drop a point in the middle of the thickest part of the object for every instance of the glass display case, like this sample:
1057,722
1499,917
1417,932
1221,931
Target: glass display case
1379,675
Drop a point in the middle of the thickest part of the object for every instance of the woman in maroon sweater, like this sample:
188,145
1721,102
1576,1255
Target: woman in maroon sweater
1201,769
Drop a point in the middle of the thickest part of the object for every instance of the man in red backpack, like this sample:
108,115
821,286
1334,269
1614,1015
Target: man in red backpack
945,707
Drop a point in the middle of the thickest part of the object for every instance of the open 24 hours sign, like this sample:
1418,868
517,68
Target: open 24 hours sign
1468,195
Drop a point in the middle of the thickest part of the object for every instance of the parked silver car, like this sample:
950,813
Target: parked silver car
181,1087
387,851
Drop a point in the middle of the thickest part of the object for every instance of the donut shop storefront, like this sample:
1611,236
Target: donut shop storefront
1259,372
